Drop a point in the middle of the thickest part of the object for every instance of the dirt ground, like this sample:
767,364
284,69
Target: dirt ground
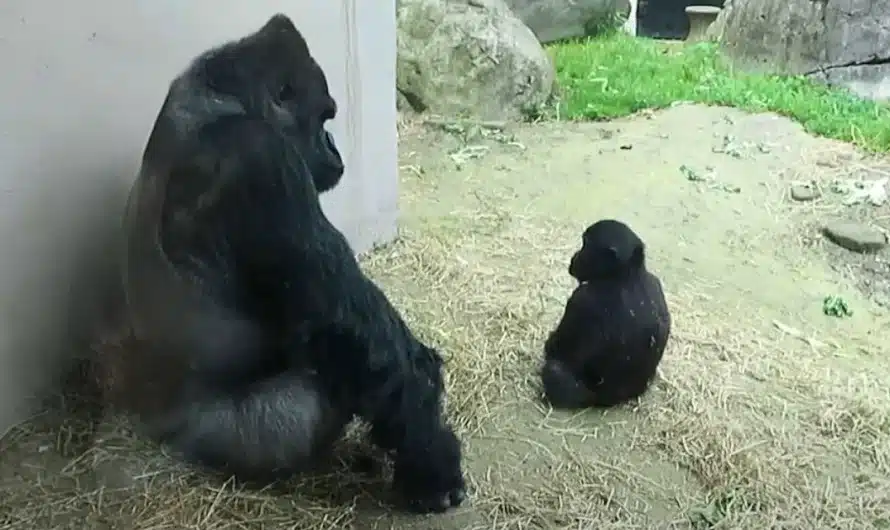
769,414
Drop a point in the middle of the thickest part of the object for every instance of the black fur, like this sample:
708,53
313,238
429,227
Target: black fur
255,335
615,327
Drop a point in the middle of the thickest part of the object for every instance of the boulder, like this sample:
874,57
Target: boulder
472,58
554,20
840,42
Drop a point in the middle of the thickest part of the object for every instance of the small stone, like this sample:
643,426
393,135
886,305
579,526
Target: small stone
804,192
855,236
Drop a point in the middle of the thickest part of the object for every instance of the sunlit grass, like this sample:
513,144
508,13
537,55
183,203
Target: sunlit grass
617,74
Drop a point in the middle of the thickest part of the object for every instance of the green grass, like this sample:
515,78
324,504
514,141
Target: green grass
617,74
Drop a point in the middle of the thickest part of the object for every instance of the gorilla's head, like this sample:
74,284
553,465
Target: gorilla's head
609,249
271,73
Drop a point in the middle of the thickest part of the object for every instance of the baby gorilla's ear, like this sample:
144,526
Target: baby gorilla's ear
638,257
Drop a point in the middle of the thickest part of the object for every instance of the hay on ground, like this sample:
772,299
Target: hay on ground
756,422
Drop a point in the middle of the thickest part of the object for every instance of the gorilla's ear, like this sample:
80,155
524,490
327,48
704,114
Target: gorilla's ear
637,258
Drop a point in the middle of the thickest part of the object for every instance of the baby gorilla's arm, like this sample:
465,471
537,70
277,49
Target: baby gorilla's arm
564,352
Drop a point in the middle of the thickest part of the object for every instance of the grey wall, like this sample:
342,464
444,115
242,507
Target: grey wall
82,84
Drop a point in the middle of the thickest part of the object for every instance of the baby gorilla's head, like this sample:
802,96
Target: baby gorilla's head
609,249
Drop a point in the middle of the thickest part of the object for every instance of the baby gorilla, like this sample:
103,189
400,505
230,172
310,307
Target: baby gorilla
616,324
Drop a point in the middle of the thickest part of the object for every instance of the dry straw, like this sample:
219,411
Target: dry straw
750,426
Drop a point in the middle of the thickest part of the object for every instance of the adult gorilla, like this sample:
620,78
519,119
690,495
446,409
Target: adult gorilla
255,336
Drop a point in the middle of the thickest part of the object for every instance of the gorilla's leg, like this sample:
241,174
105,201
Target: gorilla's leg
270,430
562,388
566,389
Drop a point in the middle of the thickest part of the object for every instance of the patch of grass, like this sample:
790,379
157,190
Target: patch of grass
834,306
616,74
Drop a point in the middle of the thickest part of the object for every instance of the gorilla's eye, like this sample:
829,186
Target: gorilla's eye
287,92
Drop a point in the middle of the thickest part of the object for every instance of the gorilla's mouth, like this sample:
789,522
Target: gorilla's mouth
332,155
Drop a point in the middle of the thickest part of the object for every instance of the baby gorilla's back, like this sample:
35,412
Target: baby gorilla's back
607,346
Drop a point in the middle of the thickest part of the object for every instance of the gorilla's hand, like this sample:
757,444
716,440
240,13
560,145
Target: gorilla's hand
432,481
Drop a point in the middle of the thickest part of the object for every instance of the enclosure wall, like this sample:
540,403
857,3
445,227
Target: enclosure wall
83,82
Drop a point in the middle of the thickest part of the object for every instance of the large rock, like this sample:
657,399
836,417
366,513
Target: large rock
554,20
471,58
844,42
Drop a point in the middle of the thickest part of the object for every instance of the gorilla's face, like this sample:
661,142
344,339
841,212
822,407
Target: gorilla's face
589,264
316,143
271,73
299,90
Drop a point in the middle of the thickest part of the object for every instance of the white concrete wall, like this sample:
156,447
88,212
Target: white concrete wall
82,83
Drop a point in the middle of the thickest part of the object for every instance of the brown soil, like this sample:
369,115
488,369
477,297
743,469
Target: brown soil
768,414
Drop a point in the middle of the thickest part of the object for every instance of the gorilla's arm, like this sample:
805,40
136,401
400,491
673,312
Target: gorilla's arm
265,205
575,323
568,352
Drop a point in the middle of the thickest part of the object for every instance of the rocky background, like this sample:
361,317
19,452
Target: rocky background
840,42
485,58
